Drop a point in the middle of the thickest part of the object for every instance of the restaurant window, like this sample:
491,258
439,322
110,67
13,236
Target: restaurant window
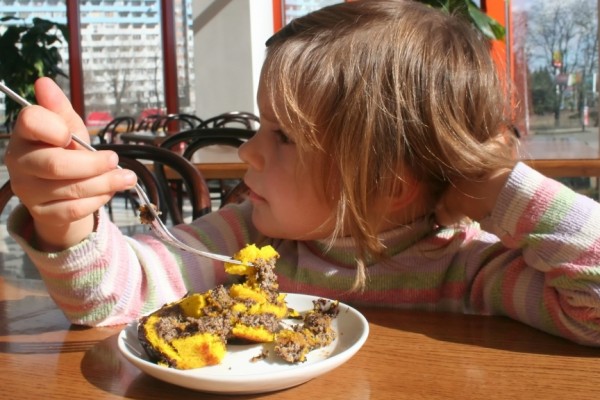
126,90
129,81
296,8
554,51
555,58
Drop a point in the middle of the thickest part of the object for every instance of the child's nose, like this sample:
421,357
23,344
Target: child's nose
250,154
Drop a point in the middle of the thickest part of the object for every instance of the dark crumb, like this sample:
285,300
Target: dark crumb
294,343
146,216
264,354
326,307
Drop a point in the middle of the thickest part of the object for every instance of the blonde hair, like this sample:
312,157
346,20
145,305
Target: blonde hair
374,90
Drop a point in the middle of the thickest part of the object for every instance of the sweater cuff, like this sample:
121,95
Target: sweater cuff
20,228
524,187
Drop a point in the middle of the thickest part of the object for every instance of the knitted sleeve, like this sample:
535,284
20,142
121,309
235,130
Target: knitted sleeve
553,283
110,278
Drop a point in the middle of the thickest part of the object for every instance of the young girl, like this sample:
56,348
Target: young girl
382,173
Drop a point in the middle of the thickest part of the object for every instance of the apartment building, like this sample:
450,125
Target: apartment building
121,51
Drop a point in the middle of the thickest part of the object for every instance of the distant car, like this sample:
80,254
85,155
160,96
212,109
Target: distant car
98,118
149,112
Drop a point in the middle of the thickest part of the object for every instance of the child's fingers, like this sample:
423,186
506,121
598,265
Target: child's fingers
64,201
52,121
67,211
39,190
37,124
51,97
56,163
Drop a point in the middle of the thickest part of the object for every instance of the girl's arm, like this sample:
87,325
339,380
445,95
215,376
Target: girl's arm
550,276
109,278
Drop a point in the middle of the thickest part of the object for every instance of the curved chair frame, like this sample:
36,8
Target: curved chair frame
149,121
189,136
244,118
109,133
196,139
193,181
190,120
6,194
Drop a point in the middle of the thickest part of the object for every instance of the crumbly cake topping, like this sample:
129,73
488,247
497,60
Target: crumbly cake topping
146,216
193,331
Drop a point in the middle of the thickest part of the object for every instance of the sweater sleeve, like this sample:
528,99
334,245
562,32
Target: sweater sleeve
552,281
110,278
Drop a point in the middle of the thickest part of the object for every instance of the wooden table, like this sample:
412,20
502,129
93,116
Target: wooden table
222,170
148,138
562,155
409,355
557,168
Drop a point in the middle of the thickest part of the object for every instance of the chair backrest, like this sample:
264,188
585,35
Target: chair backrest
198,139
187,137
193,181
6,194
202,142
182,121
232,119
109,133
149,122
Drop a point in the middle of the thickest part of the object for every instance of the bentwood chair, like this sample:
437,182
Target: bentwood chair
150,164
13,260
238,119
197,141
200,136
6,194
182,121
148,123
119,125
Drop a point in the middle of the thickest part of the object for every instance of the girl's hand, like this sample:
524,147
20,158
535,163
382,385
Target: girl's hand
60,183
474,199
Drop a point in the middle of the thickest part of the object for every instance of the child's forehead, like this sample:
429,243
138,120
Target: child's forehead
265,102
262,98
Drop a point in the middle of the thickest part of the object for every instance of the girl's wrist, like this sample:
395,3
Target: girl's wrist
55,238
485,195
474,199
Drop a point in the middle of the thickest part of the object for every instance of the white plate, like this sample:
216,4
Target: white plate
237,374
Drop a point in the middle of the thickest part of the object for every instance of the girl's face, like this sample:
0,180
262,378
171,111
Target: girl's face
286,202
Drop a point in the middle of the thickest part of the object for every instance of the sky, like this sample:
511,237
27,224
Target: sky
521,4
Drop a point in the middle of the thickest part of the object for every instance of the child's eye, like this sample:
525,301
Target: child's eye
283,137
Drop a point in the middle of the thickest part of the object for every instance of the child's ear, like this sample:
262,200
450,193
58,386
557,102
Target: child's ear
406,193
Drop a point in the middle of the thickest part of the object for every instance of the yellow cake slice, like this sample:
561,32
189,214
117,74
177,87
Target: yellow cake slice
193,332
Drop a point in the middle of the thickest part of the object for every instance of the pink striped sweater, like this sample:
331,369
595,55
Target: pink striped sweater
536,259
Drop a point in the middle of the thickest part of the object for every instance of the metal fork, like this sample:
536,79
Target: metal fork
156,223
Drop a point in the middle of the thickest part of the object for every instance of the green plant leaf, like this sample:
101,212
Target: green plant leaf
29,51
488,26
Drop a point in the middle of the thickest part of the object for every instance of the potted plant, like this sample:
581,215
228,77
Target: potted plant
28,53
488,26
